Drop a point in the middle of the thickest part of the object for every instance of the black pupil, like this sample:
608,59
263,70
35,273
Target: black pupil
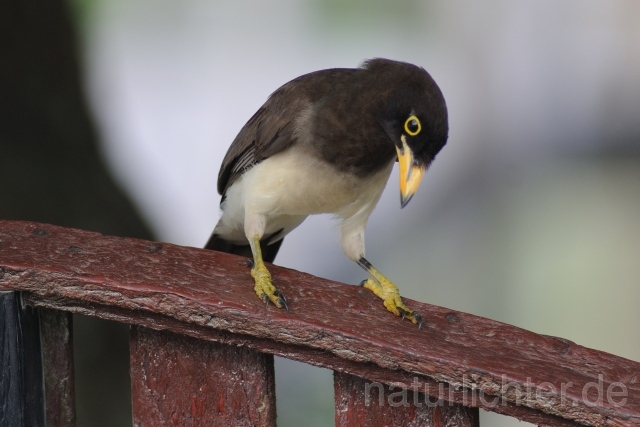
413,125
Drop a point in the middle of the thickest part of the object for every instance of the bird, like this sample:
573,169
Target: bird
326,142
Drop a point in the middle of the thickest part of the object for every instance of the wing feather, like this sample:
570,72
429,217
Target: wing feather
269,131
273,127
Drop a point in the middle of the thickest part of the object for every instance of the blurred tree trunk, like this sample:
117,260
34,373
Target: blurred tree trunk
50,167
51,171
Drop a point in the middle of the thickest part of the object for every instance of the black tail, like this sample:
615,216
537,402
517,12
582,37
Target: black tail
269,252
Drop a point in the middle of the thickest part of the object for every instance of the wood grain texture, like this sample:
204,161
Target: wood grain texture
479,362
360,402
182,381
56,332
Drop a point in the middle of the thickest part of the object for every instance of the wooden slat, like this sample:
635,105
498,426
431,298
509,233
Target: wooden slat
360,402
483,363
183,381
56,334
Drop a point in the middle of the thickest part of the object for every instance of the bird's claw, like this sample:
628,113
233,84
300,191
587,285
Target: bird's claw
282,300
418,319
266,294
390,296
411,315
265,289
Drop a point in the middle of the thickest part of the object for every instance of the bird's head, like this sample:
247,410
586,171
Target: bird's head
413,114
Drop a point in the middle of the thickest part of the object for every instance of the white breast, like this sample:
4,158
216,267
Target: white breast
289,186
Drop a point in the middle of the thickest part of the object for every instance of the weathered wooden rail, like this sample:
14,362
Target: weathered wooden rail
202,344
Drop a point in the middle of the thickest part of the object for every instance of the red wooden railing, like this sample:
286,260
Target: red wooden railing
202,345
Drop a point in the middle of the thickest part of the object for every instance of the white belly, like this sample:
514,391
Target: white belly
287,187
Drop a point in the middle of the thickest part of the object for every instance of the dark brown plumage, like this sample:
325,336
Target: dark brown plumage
342,96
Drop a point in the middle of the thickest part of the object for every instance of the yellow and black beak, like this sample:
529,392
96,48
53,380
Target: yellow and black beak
410,172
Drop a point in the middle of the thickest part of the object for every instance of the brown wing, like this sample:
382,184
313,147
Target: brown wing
269,131
272,127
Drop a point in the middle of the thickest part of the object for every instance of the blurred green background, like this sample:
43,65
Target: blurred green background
118,113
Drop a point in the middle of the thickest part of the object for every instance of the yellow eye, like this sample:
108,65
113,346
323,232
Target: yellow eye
412,126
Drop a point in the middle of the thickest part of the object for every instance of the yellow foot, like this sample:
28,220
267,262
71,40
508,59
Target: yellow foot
265,289
388,292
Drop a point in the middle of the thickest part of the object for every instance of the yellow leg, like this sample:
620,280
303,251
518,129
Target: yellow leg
264,288
384,289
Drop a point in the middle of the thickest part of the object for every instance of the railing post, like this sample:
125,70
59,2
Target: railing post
56,335
179,380
359,402
21,383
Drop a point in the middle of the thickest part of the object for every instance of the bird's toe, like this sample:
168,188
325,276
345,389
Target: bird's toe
265,289
282,300
391,299
412,316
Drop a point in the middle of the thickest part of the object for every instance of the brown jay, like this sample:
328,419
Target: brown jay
326,142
